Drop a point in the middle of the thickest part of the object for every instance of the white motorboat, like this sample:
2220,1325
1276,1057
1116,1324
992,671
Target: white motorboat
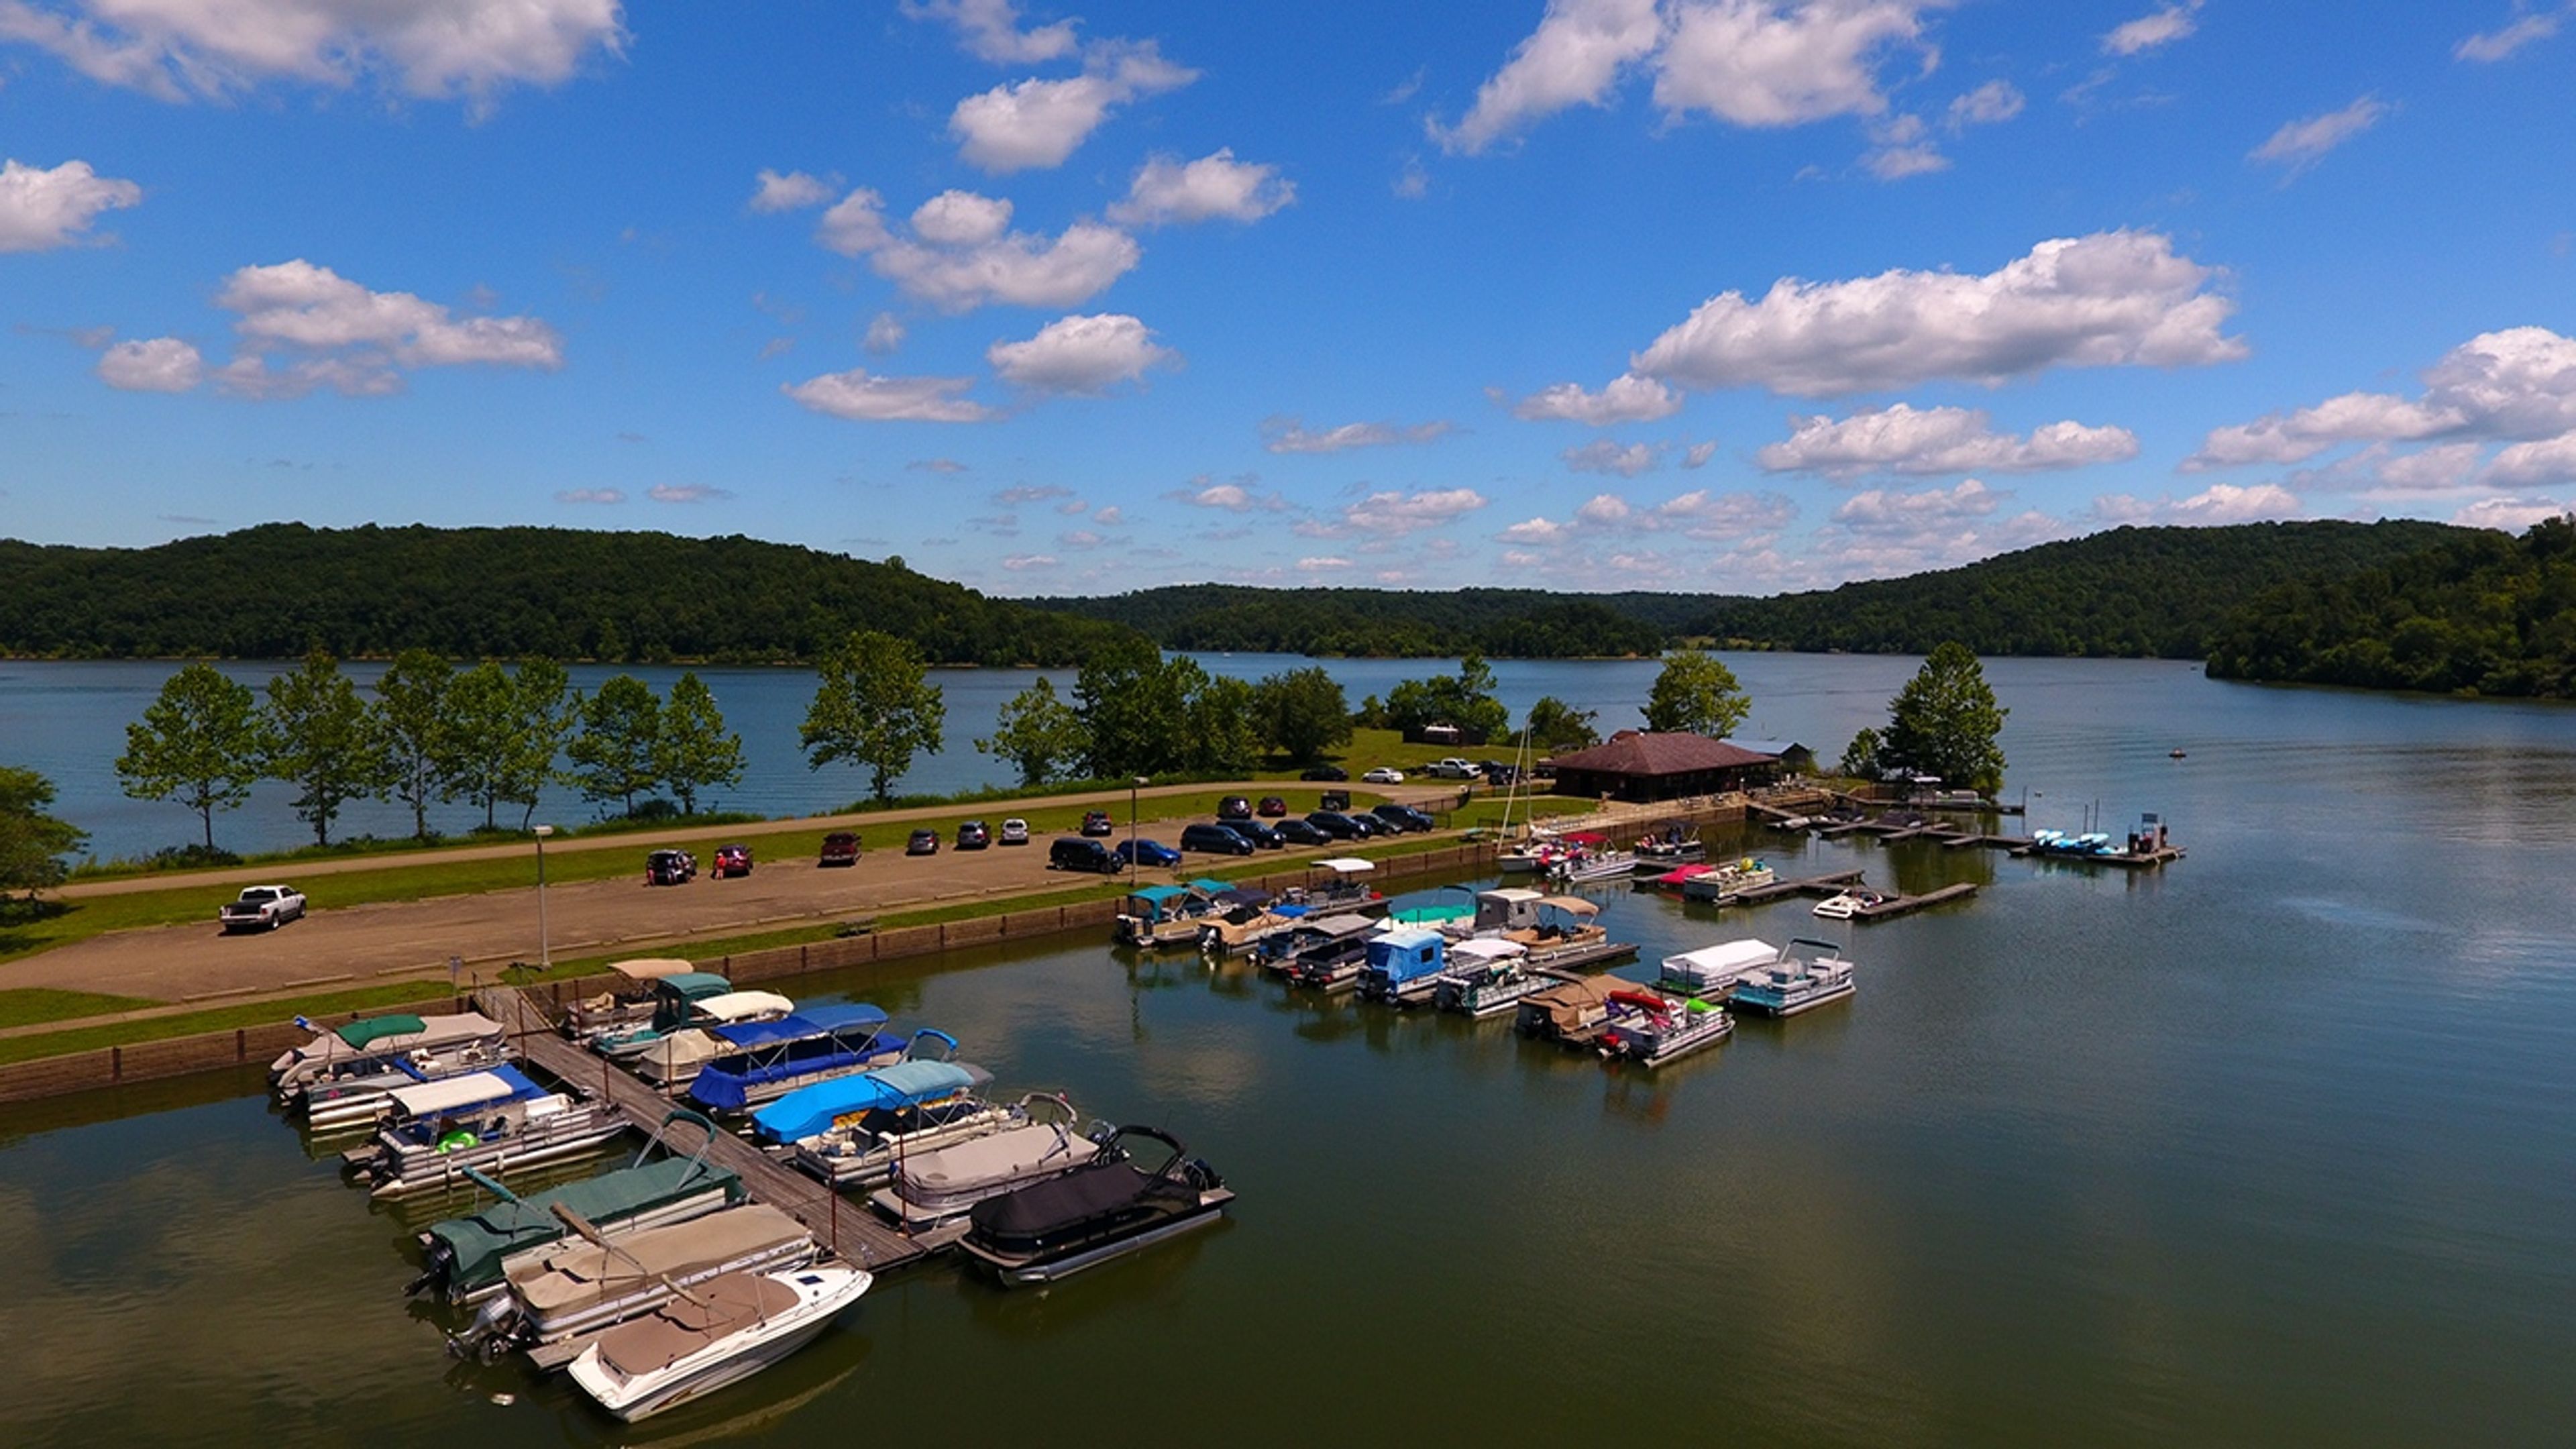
1705,974
492,1122
373,1045
1650,1029
1848,904
1794,983
938,1186
578,1287
727,1330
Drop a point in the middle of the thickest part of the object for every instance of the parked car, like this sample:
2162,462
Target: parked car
1298,832
1146,852
1335,824
1325,772
1404,817
1368,826
1097,822
1497,773
1214,840
1076,852
1384,775
922,842
1234,807
1271,807
1451,768
670,867
1015,831
731,860
1256,832
262,908
974,835
841,847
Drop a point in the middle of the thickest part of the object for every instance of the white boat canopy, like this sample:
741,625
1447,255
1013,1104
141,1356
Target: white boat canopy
652,968
1514,894
1346,865
735,1006
1346,925
1486,950
1727,959
451,1094
1572,905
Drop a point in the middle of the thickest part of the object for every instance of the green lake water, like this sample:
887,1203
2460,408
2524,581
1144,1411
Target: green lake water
2275,1147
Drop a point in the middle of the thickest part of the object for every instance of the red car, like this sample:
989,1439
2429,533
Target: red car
1271,807
731,860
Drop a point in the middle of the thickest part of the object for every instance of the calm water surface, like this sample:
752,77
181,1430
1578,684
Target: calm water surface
2276,1147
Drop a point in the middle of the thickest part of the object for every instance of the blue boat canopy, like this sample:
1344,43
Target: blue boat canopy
809,1110
813,1021
1157,895
1206,886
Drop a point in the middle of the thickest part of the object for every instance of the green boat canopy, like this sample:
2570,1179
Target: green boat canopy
371,1029
476,1244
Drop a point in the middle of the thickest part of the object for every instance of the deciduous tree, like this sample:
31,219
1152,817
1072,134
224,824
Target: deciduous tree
1037,732
875,707
411,709
32,842
693,752
1945,722
1556,726
198,745
1696,694
1302,713
613,755
323,740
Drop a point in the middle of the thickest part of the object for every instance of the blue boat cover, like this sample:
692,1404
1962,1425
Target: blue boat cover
1209,887
809,1110
810,1022
1158,894
1407,955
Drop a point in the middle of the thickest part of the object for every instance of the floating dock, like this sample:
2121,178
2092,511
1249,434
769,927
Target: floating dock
1903,905
1814,885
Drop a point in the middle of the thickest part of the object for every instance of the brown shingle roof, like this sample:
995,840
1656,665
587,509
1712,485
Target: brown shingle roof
1637,752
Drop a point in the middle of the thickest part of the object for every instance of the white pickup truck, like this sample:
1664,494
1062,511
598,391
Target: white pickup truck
1451,768
263,908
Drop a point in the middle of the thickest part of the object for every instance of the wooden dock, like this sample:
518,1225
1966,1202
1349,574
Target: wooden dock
1903,905
847,1229
1814,885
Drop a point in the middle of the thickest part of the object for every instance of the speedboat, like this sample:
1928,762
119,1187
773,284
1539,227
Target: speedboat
1317,942
937,1186
1793,983
1729,881
1650,1029
373,1045
1848,904
769,1059
468,1259
691,1000
726,1330
579,1287
490,1122
1569,1013
1487,977
1244,920
1403,966
1160,916
1105,1209
1706,973
637,996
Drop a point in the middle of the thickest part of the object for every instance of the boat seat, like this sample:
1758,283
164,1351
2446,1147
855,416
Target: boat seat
733,1302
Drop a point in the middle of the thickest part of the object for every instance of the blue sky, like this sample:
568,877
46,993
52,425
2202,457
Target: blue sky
1708,294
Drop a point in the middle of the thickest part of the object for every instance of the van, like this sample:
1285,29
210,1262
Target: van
1074,852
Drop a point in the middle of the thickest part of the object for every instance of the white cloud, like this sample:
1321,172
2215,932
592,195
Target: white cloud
774,192
1400,513
1290,435
2148,31
1234,496
2218,503
2524,465
2299,144
2495,45
1895,163
298,304
1698,454
1080,354
1537,530
2119,298
934,465
885,333
1760,63
2517,384
591,495
990,30
1880,510
1214,187
1698,514
1037,124
2513,515
686,493
1022,562
1573,58
1628,399
1625,460
1412,183
1321,565
858,395
983,264
1990,104
160,364
41,210
1905,439
177,48
1109,517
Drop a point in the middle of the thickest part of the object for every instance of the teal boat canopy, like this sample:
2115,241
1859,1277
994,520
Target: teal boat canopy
1205,886
370,1029
1158,895
694,985
1432,915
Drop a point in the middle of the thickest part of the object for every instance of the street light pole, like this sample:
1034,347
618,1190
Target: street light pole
1133,785
545,956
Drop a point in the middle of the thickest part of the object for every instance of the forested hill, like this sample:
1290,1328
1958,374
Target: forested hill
2483,613
2130,591
275,590
2154,592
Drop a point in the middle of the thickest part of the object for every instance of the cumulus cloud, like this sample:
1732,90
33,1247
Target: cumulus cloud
686,493
885,333
1624,460
1573,58
1080,355
2512,515
1698,514
1036,124
2494,45
773,192
44,209
863,397
2121,298
1698,454
1760,63
356,340
1906,439
161,364
1232,496
990,30
1900,148
591,495
1022,562
2516,385
1627,399
175,49
2300,144
1321,565
961,256
1880,510
2151,30
2546,460
1394,513
1990,104
2218,503
1167,191
1291,435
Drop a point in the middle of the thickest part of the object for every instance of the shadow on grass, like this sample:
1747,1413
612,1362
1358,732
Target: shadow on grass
19,916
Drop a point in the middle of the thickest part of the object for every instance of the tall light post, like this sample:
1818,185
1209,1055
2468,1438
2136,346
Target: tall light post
1133,785
545,957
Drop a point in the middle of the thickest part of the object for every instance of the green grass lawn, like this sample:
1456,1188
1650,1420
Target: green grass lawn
28,1005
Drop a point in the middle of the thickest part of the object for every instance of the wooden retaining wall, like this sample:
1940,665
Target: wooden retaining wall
213,1051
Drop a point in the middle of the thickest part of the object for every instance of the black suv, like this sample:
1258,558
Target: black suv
1325,772
1256,832
1298,832
1074,852
1214,840
1335,824
1404,817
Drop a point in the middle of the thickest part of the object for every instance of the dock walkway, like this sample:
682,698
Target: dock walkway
849,1230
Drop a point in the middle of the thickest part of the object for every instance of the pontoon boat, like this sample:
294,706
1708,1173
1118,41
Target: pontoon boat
767,1060
1794,984
493,1122
940,1185
1650,1029
1104,1209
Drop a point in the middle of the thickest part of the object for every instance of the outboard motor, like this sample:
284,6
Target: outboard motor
1199,1175
492,1334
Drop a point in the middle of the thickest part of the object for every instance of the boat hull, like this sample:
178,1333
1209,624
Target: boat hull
1760,1006
1015,1270
718,1367
425,1169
